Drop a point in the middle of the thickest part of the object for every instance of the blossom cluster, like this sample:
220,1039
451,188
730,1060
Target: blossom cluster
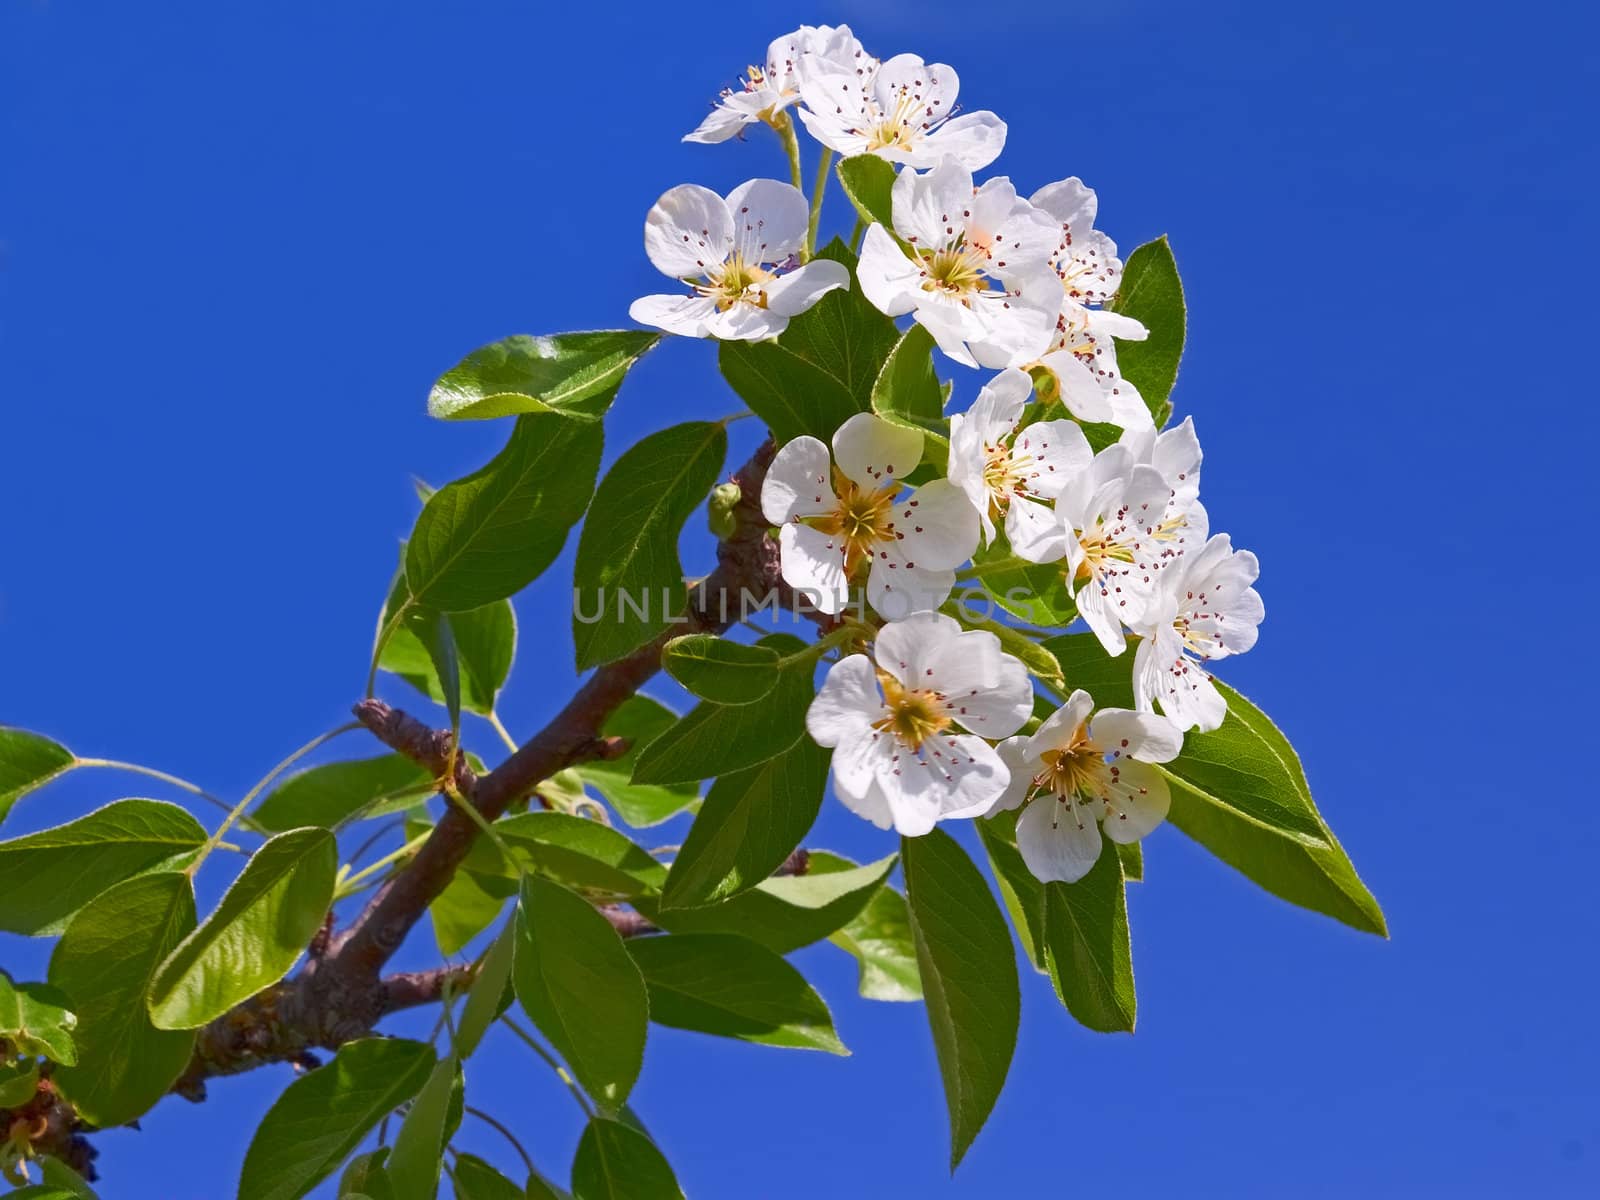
925,721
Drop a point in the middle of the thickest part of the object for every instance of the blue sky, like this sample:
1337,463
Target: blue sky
238,242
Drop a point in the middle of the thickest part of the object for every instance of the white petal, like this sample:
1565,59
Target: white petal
1058,450
928,206
996,711
1177,456
896,589
769,220
1102,612
1059,840
1070,202
951,323
999,405
1124,733
935,527
967,662
1138,802
688,232
795,291
683,315
797,482
973,139
908,648
1080,390
951,777
1164,675
732,114
846,704
874,453
745,322
1023,767
968,460
812,563
1034,530
1102,322
1060,726
926,92
889,280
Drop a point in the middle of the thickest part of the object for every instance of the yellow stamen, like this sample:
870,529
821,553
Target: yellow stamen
862,519
914,715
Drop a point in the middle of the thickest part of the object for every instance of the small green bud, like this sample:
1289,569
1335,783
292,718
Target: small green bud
725,498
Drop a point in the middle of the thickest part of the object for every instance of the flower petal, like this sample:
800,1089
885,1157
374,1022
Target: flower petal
688,232
889,280
1059,839
812,563
769,220
846,704
1058,450
973,139
1022,765
996,711
908,648
1060,726
1034,530
874,453
684,315
1125,733
1138,802
795,291
745,322
797,482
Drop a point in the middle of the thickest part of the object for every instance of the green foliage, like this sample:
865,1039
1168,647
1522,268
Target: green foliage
1033,592
1086,945
1152,293
879,938
618,1162
37,1019
27,761
1241,792
487,993
477,1180
255,935
51,874
749,823
575,852
820,371
575,375
969,978
732,987
106,962
907,392
366,1177
640,720
724,672
628,551
782,913
19,1080
485,644
576,981
432,631
718,739
464,910
322,1116
333,793
418,1151
869,182
486,537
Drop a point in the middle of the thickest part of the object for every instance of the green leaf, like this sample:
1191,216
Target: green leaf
19,1080
750,822
477,1180
51,874
820,371
1152,293
486,537
639,719
418,1152
254,936
573,851
1132,855
718,739
1241,792
575,980
488,990
1021,890
628,570
573,374
617,1162
879,938
869,183
969,977
485,640
721,671
106,961
907,393
1032,592
782,913
462,911
540,1188
27,761
37,1018
55,1173
1041,664
42,1191
732,987
365,1177
334,793
322,1116
1086,945
432,631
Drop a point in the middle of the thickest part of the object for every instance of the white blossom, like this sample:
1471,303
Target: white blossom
840,516
767,90
975,270
738,257
1079,771
1131,515
1014,474
903,112
907,726
1205,609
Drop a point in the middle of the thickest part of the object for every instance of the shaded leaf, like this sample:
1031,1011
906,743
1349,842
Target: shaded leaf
868,181
19,1080
27,761
628,570
418,1151
477,1180
969,979
1152,293
255,935
1021,890
575,980
732,987
907,393
721,671
879,938
333,793
573,374
322,1116
485,641
573,851
51,874
462,911
639,719
37,1018
486,537
488,991
617,1162
433,633
106,961
749,823
1087,948
365,1176
1032,592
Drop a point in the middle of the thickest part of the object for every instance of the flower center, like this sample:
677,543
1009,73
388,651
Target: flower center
1102,547
861,519
1076,770
956,270
895,127
1003,475
912,715
737,281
